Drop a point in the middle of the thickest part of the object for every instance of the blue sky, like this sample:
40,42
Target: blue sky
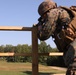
22,13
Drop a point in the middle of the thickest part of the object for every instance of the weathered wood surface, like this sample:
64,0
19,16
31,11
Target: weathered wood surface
30,54
15,28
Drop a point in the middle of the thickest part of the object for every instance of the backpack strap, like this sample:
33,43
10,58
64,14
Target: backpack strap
73,8
70,11
72,25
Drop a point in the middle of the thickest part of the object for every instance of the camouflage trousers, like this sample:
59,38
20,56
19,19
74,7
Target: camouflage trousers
70,59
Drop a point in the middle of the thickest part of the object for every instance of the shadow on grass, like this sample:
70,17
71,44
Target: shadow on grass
40,73
28,72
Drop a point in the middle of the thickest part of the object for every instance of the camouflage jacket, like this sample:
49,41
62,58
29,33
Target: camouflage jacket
60,18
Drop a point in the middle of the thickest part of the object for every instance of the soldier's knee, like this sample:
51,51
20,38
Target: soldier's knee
71,69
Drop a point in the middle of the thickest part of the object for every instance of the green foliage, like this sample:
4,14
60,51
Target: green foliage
42,48
52,60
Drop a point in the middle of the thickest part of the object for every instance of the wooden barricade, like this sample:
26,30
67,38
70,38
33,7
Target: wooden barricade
34,53
34,44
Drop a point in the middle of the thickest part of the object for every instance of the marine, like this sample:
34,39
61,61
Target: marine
60,24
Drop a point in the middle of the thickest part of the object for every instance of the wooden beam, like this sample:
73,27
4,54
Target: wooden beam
6,54
15,28
15,54
34,52
56,54
30,54
51,54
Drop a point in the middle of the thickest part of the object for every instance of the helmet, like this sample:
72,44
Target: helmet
45,6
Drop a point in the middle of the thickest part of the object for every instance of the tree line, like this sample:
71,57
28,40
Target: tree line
25,48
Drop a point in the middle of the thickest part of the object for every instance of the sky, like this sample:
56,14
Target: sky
22,13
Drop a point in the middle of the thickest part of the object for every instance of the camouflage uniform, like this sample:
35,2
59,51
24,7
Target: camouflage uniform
58,19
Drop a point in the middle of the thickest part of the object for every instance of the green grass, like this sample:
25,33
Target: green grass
24,69
12,73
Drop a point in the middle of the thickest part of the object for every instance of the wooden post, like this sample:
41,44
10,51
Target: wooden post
34,51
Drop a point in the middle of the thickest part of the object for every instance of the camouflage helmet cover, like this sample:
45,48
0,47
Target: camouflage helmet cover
45,6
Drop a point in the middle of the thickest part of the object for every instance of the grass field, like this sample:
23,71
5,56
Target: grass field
24,69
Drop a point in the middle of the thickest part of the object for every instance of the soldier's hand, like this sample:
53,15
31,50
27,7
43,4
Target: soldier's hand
35,25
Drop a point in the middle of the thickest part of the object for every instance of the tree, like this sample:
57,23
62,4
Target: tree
43,48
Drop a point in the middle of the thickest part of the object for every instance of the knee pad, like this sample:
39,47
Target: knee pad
71,69
70,72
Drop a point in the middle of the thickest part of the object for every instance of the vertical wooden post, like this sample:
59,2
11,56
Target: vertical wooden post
34,51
